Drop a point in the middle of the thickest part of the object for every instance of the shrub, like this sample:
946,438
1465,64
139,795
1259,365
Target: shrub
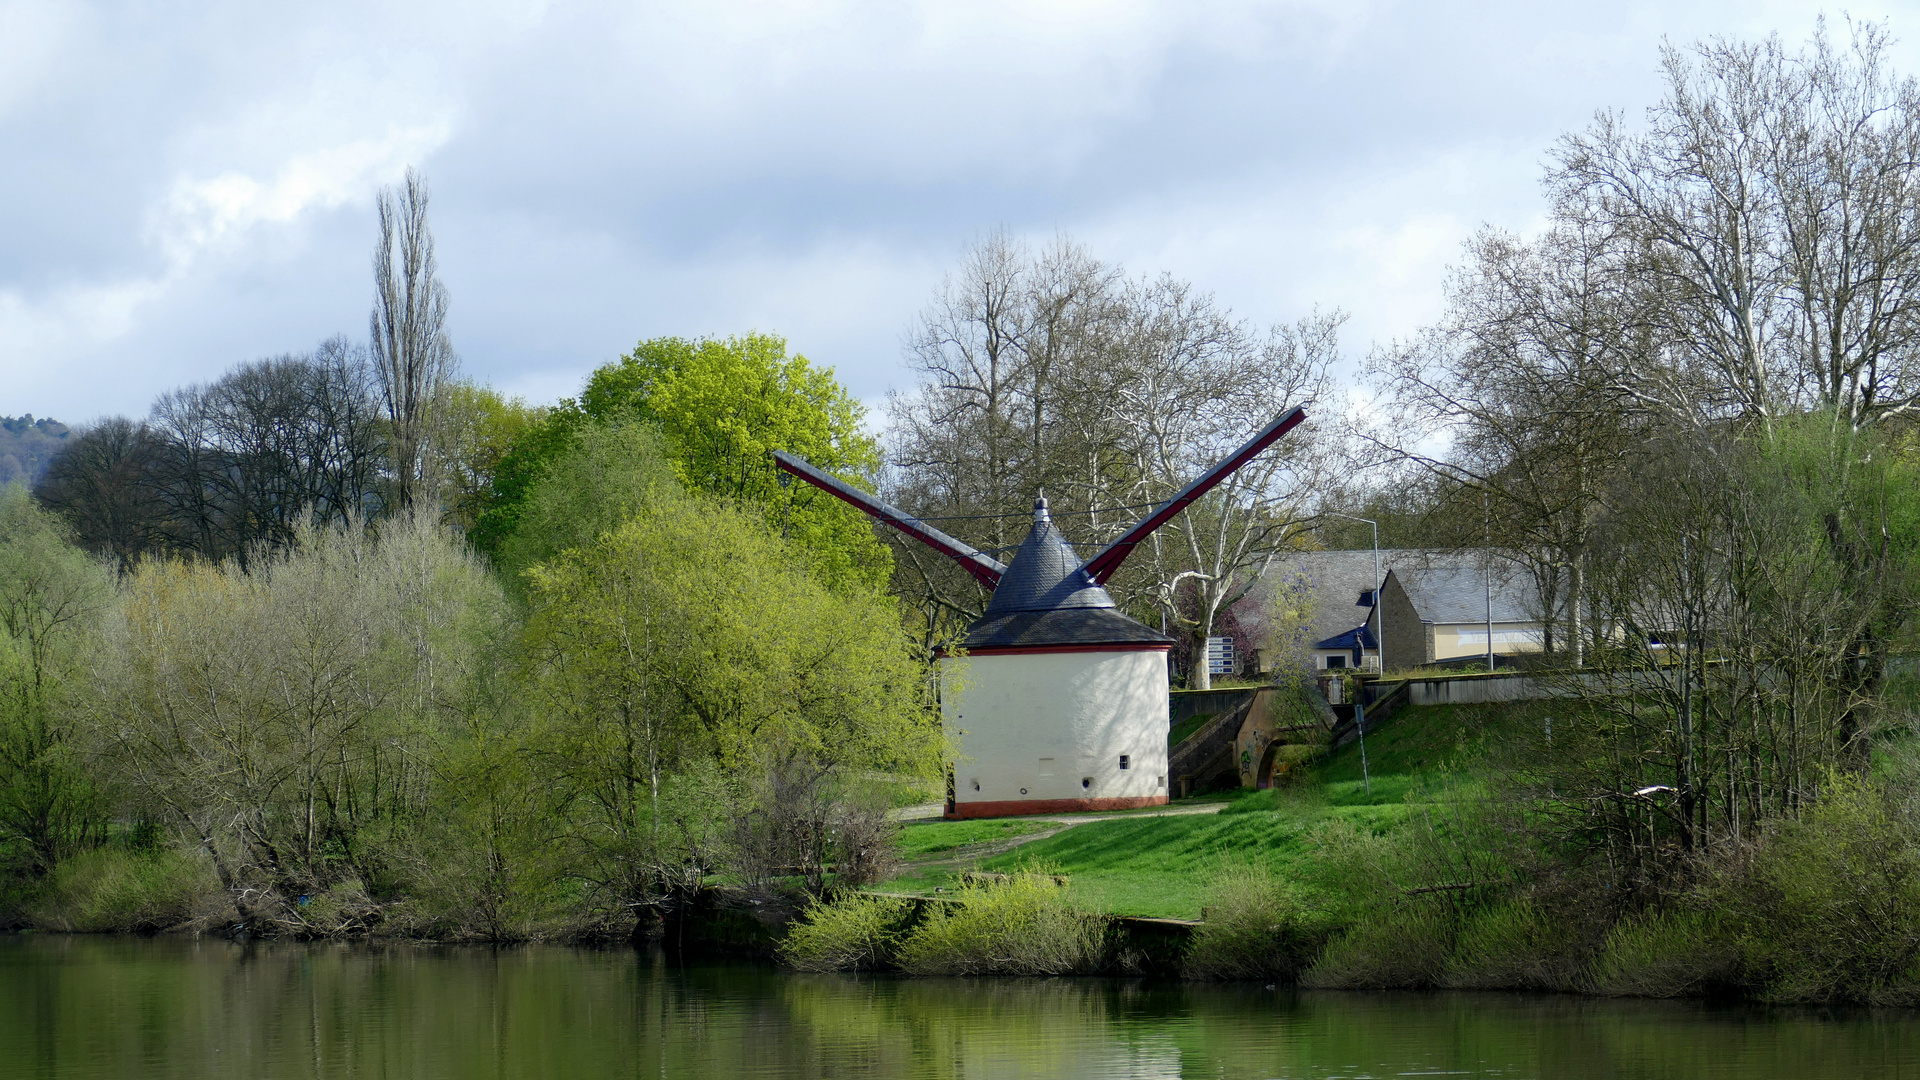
1254,927
1513,946
1024,925
121,889
1667,954
1831,903
851,933
1405,945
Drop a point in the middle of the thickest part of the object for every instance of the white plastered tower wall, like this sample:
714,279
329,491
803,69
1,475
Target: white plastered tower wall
1018,716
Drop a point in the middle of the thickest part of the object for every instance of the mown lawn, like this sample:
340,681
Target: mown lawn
1157,866
926,838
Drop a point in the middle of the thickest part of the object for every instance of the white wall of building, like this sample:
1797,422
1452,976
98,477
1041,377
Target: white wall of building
1454,640
1034,726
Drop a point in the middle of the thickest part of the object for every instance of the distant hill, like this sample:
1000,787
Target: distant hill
27,445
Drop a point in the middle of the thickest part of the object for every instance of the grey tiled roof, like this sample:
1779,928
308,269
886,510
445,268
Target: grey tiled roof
1045,574
1067,626
1457,593
1045,599
1444,586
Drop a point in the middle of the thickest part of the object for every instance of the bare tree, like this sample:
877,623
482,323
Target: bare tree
1193,385
1009,356
411,354
101,482
1053,374
1770,203
1514,404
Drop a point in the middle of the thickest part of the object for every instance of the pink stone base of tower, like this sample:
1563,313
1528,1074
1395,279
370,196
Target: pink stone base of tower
1029,807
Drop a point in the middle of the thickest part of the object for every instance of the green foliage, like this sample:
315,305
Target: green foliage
1674,953
288,717
606,474
1404,946
118,888
483,866
721,407
1255,927
1024,925
518,471
853,932
689,638
479,427
1830,903
1514,945
694,617
52,599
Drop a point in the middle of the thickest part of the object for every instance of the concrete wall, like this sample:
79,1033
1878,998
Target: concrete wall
1189,703
1474,689
1043,732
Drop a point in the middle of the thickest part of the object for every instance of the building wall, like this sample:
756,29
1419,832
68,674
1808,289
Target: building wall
1401,632
1453,640
1069,714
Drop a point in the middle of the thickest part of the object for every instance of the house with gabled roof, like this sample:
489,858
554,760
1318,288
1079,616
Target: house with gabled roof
1431,607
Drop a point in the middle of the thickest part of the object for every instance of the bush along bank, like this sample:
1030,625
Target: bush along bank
1025,923
1464,870
1826,909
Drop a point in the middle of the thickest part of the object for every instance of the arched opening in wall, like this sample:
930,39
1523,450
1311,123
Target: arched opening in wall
1263,775
1280,762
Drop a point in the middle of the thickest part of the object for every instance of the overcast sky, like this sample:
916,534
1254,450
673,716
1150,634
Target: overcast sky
183,187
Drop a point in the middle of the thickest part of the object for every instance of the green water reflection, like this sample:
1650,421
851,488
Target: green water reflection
115,1008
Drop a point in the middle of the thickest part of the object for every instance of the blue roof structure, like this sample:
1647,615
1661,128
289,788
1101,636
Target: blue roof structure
1360,637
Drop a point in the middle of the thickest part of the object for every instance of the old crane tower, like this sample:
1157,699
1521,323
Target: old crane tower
1057,700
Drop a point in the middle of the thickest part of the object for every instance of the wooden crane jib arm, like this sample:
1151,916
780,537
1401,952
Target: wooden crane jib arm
985,570
1102,565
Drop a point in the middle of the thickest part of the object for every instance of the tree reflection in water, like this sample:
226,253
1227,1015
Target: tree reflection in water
100,1008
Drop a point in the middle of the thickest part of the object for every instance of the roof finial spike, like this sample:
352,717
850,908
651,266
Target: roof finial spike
1040,509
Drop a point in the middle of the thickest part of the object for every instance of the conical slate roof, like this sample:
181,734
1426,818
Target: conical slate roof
1045,574
1045,600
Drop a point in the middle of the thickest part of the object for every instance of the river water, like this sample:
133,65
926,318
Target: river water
79,1007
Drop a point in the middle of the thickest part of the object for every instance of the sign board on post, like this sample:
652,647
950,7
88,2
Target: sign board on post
1220,659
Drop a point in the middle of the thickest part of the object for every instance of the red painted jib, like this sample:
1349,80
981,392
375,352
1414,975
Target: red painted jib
1102,565
1027,807
1015,650
984,569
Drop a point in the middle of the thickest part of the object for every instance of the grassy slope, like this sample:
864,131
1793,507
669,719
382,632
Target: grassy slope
1157,865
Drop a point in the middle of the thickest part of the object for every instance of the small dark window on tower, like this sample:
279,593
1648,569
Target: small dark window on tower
1086,782
1123,761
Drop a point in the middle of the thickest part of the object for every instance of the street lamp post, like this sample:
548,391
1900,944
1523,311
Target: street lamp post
1379,646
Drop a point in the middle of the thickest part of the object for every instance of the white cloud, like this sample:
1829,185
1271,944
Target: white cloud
189,187
198,214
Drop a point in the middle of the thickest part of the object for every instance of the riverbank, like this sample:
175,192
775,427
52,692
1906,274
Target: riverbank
1428,866
1442,862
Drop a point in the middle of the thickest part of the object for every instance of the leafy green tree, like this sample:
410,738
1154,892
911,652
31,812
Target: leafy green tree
52,597
722,407
690,636
592,485
478,426
288,717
